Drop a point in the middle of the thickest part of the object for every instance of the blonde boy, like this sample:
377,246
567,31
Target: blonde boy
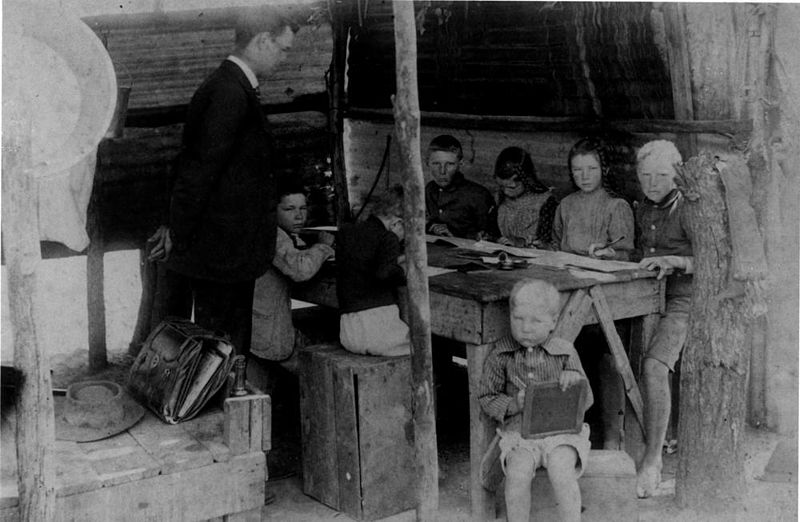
527,356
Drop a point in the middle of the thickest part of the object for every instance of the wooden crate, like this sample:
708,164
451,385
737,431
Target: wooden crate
211,467
358,438
608,490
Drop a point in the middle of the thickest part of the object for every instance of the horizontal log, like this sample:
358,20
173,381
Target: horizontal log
557,124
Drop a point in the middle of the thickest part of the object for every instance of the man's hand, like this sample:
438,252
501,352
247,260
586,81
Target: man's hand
664,264
569,378
440,229
160,244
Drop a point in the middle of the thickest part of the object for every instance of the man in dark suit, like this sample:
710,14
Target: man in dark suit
222,216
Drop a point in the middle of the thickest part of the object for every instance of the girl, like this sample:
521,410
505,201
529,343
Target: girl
526,209
588,220
594,221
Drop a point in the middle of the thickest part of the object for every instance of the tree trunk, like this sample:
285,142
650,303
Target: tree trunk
716,357
340,25
407,126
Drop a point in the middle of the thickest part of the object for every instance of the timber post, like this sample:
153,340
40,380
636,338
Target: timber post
407,126
35,432
335,80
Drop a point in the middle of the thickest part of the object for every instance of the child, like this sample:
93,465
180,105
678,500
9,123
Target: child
664,239
368,274
526,357
526,206
595,215
454,205
585,222
274,336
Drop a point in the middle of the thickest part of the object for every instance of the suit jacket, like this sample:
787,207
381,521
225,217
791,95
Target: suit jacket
223,203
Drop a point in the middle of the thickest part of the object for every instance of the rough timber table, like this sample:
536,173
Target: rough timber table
211,467
472,307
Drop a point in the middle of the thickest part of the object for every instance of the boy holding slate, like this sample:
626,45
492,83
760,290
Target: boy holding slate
518,362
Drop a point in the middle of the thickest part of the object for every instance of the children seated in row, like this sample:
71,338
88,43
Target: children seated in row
526,206
664,238
274,338
454,205
368,274
514,362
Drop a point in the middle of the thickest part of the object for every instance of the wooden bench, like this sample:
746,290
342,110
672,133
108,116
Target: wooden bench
211,467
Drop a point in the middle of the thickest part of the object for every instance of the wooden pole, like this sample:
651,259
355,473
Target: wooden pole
340,25
34,403
407,126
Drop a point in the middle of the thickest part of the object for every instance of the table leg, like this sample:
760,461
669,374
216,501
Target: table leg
618,351
480,435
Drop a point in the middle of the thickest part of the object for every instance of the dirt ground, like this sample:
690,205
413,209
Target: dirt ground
61,327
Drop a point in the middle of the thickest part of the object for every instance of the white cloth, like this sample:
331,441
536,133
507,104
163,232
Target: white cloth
375,331
63,200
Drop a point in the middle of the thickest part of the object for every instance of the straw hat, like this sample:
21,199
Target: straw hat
94,410
56,69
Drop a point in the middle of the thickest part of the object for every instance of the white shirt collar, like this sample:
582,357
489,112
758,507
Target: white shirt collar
251,76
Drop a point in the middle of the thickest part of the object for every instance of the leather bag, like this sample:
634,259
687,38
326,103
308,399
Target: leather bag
180,367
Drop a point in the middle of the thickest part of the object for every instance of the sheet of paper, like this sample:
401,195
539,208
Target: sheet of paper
431,271
326,228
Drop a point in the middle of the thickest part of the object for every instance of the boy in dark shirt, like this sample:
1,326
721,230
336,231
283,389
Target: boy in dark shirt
368,274
664,239
454,205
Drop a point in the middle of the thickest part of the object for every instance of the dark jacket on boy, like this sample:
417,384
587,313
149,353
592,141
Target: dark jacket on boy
366,264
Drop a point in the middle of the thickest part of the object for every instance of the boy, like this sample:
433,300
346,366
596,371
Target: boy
454,205
367,276
525,357
664,239
274,336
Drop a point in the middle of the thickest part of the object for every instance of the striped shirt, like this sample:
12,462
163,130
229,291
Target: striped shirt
510,365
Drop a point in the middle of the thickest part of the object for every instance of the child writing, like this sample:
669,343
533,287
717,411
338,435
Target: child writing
525,357
664,238
274,336
367,280
526,206
594,216
587,222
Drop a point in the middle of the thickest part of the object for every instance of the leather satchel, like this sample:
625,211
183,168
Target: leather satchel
180,367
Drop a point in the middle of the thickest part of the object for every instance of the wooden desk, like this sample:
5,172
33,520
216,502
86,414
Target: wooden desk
473,308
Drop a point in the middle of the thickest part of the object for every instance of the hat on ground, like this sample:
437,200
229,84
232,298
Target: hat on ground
94,410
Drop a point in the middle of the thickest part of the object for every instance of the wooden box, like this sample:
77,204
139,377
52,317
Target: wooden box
210,467
608,489
358,438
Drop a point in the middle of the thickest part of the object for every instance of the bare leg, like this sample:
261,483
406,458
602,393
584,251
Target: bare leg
520,468
656,417
612,393
561,470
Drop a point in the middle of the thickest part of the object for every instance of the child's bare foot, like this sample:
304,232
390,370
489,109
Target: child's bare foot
648,479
